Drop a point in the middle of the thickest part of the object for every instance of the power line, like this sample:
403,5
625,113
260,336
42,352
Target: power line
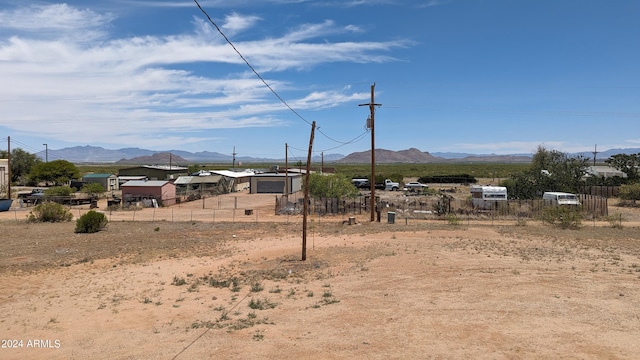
265,82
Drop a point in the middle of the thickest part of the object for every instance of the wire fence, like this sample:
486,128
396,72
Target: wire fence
591,206
280,208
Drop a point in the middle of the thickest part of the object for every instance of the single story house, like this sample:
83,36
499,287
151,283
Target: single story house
604,171
271,183
162,192
108,181
156,172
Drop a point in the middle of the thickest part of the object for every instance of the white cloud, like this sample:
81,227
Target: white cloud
57,20
235,23
141,90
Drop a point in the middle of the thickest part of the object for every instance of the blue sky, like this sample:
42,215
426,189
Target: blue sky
471,76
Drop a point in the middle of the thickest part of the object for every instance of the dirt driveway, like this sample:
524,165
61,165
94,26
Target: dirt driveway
159,289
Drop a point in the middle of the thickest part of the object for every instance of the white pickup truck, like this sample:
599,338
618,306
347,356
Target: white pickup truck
391,186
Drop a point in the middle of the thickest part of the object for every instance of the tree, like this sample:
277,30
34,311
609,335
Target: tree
630,192
627,163
21,164
550,170
59,191
331,186
92,189
58,172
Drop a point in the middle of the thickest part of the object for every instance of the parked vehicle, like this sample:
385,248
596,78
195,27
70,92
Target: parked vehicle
31,197
560,198
414,185
360,183
391,186
488,197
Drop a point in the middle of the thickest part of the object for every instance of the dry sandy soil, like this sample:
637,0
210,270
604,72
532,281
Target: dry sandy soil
236,288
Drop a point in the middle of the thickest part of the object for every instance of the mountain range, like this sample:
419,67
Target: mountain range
94,154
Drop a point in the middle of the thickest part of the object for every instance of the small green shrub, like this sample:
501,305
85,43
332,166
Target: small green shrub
564,217
615,221
91,222
49,212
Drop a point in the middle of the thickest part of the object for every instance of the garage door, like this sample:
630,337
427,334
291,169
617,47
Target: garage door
270,186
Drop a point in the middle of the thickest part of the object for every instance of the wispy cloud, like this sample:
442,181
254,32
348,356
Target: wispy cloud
58,20
144,90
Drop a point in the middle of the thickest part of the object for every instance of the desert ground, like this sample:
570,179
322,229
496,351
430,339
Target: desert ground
191,283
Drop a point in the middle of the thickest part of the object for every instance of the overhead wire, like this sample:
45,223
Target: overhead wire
342,143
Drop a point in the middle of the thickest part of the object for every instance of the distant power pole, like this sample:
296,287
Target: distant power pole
595,153
234,158
286,171
372,109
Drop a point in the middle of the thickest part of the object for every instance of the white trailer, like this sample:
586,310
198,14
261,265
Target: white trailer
488,197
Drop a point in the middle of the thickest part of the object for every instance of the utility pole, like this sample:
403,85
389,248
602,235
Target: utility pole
595,153
322,163
234,158
306,195
9,166
286,171
46,152
370,124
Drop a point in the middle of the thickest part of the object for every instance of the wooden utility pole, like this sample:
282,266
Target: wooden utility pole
286,171
9,166
233,161
306,195
595,154
370,124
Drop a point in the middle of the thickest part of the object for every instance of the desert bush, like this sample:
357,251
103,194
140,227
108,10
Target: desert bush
564,217
91,222
630,193
615,221
59,191
49,212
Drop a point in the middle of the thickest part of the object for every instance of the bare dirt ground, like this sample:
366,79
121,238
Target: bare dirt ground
233,286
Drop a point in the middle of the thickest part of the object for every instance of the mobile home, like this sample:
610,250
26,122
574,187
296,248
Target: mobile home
560,198
488,197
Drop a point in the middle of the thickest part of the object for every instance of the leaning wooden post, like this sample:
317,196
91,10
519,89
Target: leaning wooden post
306,196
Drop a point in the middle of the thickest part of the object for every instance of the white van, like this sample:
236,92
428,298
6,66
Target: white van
560,198
488,197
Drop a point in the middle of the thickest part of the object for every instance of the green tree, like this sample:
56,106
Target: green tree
630,192
331,186
58,172
550,170
21,164
59,191
92,189
627,163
